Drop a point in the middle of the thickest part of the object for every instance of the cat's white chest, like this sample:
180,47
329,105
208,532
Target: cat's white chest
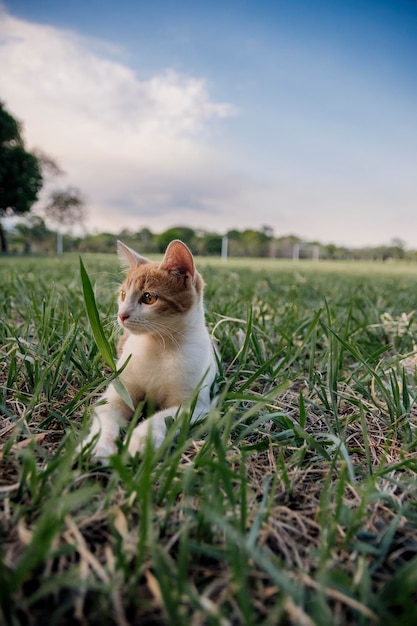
164,373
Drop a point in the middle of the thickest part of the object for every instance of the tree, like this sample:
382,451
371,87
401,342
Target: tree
396,250
66,207
20,173
249,242
184,233
32,236
211,244
103,242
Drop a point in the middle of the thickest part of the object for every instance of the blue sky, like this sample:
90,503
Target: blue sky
297,115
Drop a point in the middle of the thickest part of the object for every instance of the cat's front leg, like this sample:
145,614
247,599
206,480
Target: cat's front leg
107,420
153,428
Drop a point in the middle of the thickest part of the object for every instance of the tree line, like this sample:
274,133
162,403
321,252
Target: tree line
33,236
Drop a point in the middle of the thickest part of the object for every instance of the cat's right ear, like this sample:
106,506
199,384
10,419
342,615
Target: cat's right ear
129,257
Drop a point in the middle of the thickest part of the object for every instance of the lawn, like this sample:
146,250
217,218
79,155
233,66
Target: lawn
294,502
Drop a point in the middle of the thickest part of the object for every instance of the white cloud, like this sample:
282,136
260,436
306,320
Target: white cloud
140,146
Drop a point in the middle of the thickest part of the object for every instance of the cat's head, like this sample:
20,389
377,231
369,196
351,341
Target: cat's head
155,297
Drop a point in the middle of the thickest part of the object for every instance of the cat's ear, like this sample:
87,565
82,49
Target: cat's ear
129,257
178,259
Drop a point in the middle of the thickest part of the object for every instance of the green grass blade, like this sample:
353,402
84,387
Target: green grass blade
99,335
123,393
94,319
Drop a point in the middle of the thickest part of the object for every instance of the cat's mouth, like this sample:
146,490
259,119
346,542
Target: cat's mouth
131,324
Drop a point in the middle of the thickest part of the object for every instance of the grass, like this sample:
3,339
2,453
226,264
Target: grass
294,502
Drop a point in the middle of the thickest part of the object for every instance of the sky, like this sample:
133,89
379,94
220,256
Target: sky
298,115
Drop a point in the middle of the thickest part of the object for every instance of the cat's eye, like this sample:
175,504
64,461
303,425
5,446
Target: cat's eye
149,298
122,295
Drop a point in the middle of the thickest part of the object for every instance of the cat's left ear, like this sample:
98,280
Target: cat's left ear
127,254
178,259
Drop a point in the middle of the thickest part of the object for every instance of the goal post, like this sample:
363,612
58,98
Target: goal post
312,248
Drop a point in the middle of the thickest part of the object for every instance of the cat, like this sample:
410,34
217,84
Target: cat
160,308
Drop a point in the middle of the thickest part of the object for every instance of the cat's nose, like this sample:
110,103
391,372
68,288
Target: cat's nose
123,316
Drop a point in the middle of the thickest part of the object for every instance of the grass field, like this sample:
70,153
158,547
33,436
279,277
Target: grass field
294,502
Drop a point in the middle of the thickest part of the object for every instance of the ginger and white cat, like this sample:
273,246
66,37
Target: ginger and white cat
170,349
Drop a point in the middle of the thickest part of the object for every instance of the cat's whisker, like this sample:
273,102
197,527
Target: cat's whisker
154,328
162,330
170,331
161,339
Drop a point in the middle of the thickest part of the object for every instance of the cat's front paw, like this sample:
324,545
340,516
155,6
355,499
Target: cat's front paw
103,448
150,429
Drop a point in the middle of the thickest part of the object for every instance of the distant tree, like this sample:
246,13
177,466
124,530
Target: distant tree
234,234
255,243
20,172
283,247
396,249
103,242
142,241
184,233
268,231
212,243
32,235
330,251
252,243
236,245
145,241
65,207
